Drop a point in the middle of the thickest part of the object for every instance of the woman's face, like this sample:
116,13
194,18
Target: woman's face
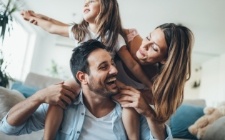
153,48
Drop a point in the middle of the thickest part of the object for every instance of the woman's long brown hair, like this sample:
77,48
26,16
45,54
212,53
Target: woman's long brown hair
168,86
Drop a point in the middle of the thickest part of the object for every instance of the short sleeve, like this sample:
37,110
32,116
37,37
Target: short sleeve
120,43
71,35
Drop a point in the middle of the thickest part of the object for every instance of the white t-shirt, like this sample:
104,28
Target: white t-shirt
97,128
120,41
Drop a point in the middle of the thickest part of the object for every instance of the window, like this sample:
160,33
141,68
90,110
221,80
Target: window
15,49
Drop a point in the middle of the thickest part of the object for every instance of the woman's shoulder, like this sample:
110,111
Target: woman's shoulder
131,33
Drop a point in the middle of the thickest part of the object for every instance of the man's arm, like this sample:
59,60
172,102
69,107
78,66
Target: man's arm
58,94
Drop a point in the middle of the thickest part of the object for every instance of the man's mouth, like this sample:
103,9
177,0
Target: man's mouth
111,81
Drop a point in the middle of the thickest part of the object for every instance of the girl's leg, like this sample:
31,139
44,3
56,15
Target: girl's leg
53,120
131,123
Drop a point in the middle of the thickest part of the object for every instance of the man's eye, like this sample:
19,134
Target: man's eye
148,38
113,63
103,67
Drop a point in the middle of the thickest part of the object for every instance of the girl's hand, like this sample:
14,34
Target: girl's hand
27,14
58,94
130,97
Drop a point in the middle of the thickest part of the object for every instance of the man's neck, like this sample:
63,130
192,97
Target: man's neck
98,105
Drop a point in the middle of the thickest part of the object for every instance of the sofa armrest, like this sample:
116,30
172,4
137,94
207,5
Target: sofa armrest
40,81
195,102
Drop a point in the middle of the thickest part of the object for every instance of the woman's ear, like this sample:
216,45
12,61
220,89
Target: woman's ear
81,77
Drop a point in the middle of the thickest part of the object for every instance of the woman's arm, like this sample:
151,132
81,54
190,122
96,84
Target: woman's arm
48,24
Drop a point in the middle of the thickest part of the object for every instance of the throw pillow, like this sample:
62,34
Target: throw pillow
8,98
216,130
185,116
27,91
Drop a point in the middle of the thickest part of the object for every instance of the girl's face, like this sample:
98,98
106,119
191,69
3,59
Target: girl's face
153,48
91,10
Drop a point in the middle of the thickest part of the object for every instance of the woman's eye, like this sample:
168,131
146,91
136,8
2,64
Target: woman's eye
154,48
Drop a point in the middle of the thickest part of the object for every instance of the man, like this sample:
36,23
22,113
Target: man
93,115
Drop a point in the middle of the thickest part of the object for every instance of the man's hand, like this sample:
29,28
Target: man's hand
58,94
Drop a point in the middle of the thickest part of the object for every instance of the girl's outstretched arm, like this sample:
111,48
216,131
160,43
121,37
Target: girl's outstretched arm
48,24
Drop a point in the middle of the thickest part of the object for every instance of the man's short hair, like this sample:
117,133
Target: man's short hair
78,61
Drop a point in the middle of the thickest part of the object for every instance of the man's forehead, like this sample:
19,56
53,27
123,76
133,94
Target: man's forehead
99,56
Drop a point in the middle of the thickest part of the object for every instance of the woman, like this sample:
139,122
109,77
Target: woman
165,56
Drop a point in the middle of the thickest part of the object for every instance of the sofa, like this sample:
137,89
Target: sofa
18,92
186,114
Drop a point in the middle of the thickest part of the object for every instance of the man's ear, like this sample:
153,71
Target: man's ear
81,77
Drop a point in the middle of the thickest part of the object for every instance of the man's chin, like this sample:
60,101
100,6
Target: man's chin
114,92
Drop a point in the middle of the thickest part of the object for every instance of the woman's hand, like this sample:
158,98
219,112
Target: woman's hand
58,94
130,97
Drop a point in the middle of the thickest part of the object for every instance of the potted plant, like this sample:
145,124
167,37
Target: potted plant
6,16
4,76
5,26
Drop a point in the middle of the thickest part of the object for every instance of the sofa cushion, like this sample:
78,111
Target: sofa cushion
27,91
183,118
40,81
8,98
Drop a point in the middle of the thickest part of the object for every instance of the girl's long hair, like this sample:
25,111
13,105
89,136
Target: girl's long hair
168,86
109,24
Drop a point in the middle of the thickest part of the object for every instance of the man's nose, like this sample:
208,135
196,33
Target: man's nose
113,70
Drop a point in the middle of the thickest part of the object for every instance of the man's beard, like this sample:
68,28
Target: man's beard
101,90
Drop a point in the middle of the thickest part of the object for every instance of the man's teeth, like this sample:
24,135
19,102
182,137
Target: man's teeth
111,79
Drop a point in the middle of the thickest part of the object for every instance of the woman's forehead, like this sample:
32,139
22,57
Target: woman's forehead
158,37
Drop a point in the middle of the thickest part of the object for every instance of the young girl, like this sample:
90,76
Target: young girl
101,20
